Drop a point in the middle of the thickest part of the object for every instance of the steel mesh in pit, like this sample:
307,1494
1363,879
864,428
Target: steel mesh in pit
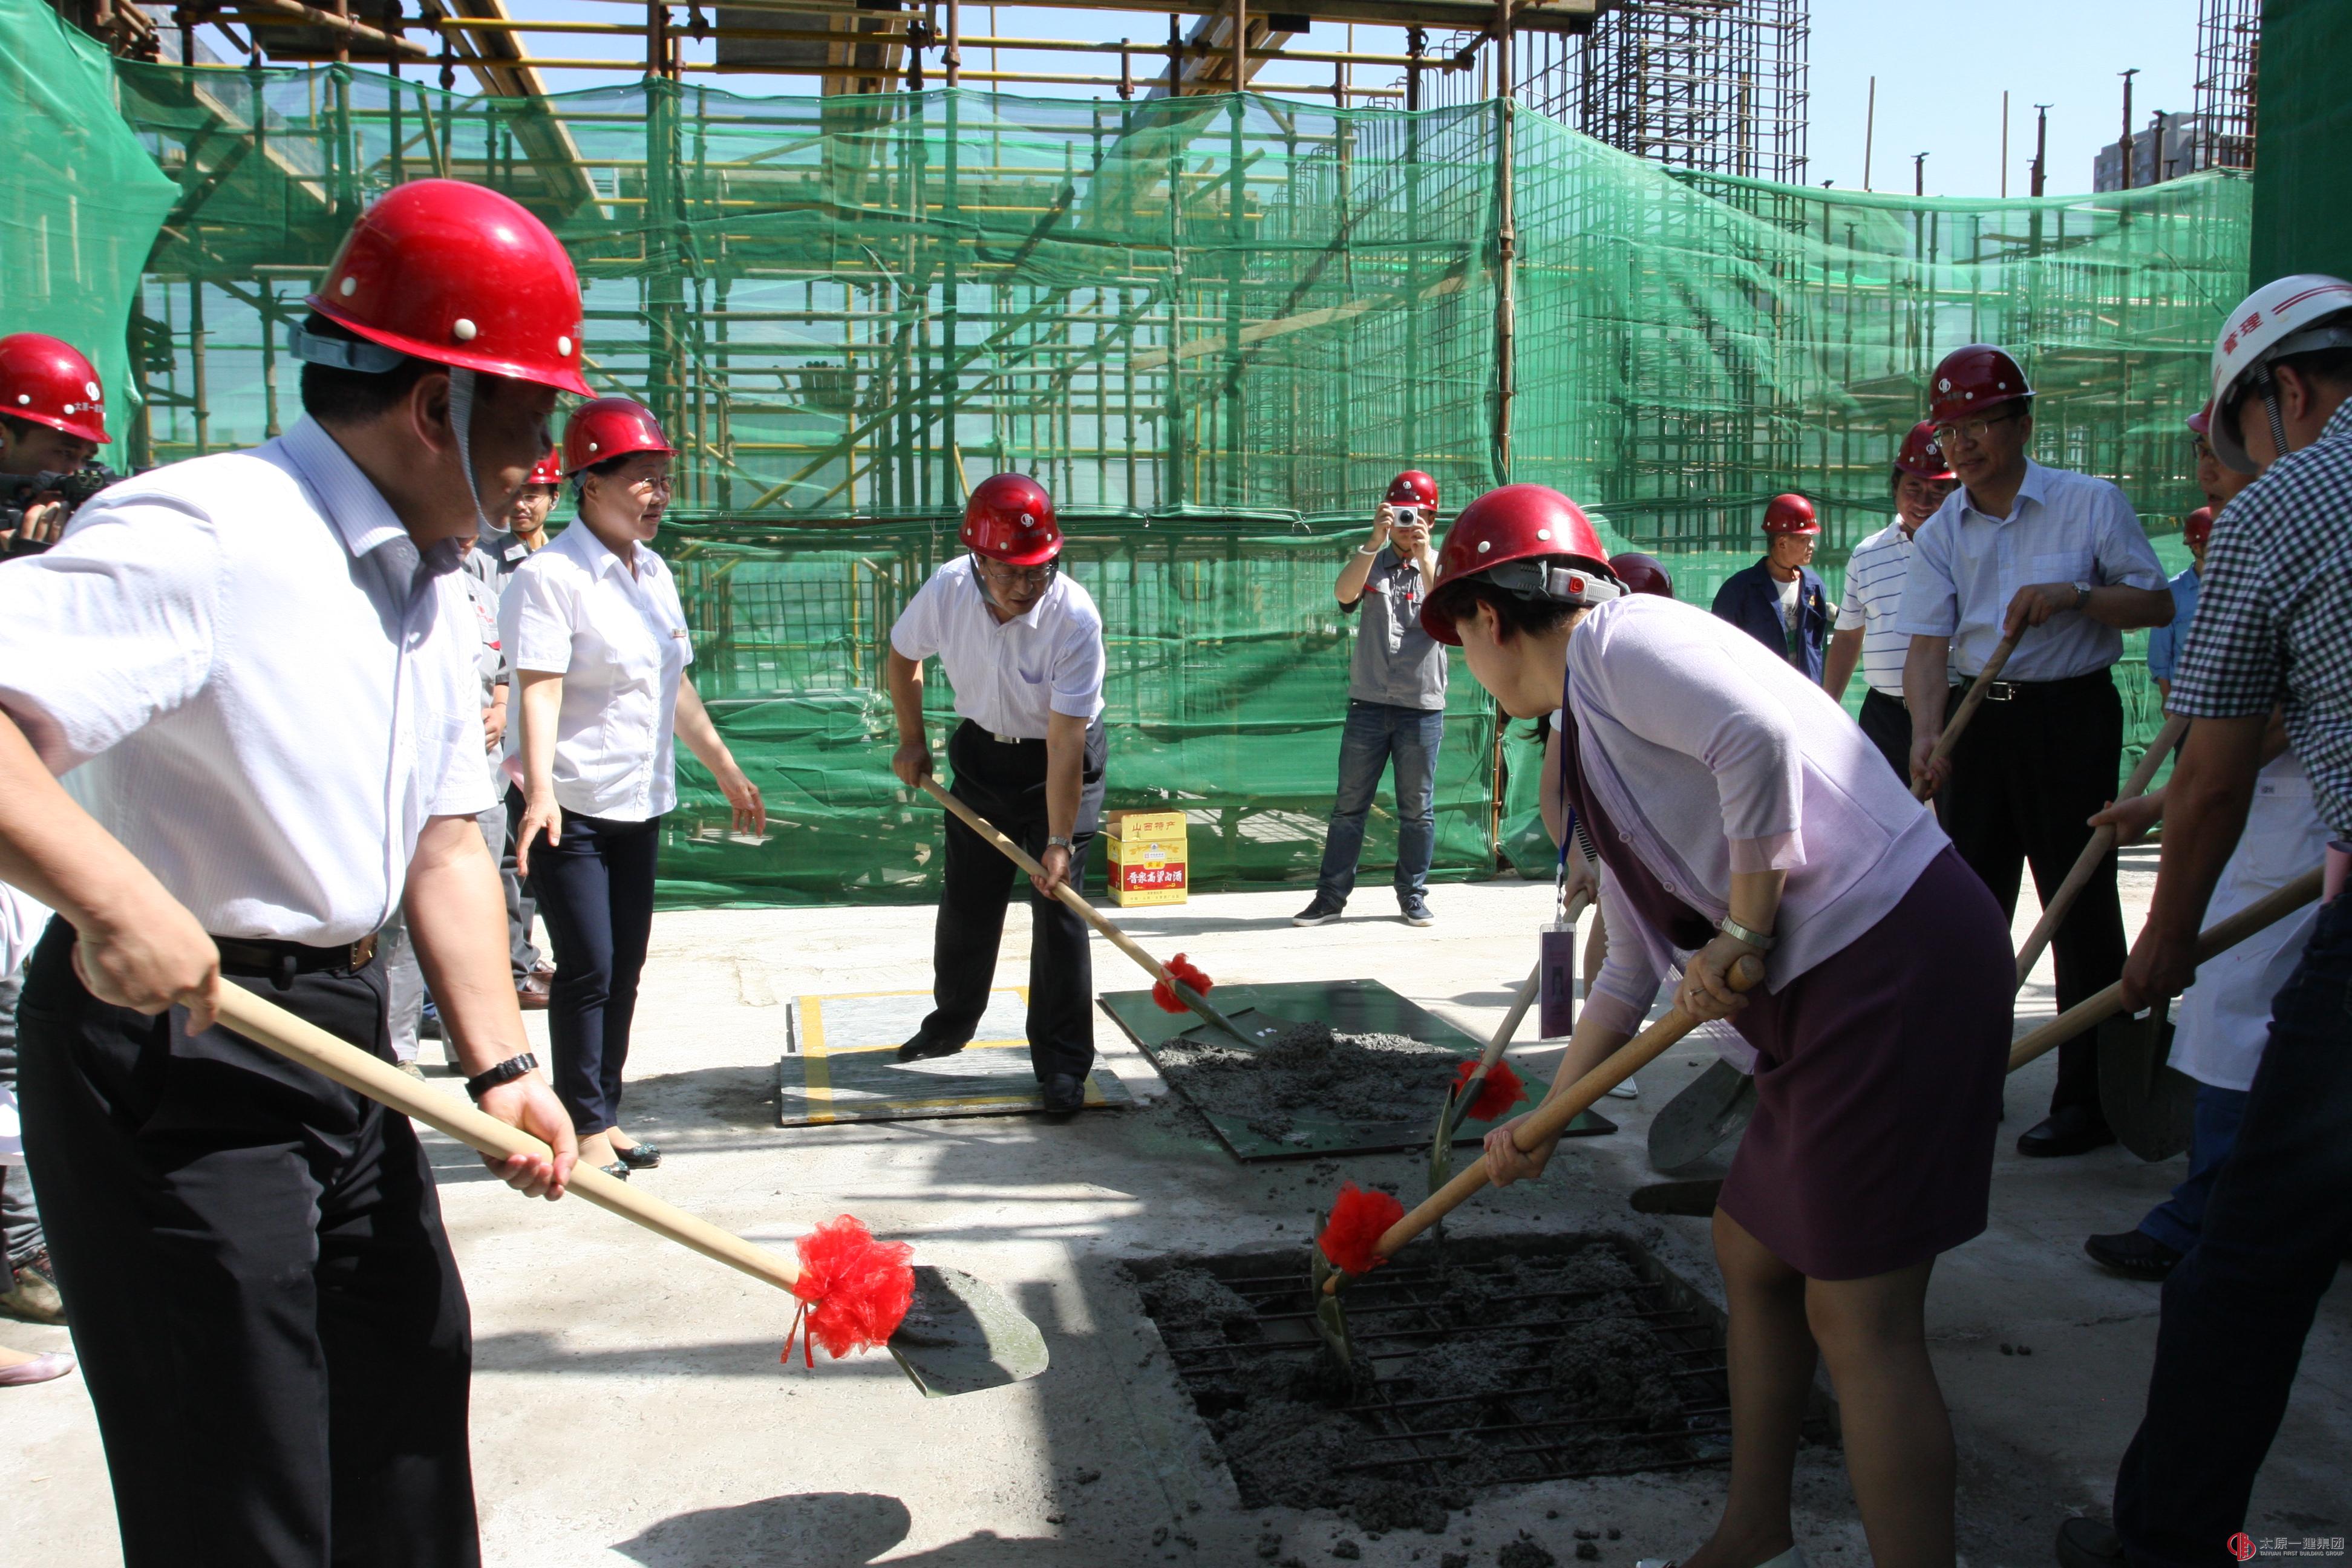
1533,1402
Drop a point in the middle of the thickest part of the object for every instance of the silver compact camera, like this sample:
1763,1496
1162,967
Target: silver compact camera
1406,517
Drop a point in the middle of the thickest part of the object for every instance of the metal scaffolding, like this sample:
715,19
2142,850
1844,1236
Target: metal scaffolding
2229,42
1717,86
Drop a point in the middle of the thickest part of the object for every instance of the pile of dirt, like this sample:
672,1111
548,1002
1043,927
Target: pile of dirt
1313,1068
1541,1340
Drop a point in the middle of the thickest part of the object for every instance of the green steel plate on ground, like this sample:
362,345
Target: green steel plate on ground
1350,1006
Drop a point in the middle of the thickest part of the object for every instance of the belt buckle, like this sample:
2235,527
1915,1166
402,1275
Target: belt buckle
363,951
2000,691
1005,739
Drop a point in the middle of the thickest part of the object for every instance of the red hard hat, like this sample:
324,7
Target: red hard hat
548,470
47,380
1010,517
1790,514
609,427
461,276
2203,420
2197,528
1923,455
1513,525
1412,488
1973,379
1643,574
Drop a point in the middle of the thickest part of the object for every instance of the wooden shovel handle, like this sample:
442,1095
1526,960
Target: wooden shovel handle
1549,1119
2096,850
265,1023
2095,1010
1076,901
1978,688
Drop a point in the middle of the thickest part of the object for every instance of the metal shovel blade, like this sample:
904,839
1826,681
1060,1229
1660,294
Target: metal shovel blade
1714,1105
2149,1104
963,1335
1330,1318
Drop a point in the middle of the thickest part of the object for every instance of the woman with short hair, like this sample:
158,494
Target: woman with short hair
593,626
1741,814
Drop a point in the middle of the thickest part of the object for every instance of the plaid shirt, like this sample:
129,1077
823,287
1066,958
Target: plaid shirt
2274,612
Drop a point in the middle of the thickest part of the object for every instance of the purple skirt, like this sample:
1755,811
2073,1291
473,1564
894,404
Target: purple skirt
1878,1080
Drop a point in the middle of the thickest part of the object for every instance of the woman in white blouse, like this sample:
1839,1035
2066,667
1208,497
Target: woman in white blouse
1740,814
597,639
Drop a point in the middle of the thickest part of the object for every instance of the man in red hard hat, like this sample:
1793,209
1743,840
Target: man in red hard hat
2059,561
52,422
1022,643
269,1319
1396,705
1874,574
1780,601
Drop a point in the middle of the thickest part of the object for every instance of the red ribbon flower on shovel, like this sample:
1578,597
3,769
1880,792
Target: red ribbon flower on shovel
854,1290
1186,974
1358,1220
1497,1092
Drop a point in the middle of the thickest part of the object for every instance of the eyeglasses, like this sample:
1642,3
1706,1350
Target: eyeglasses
1018,577
652,484
1973,429
2200,448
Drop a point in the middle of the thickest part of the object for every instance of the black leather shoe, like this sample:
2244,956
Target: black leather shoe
640,1156
2089,1543
2077,1130
920,1049
2133,1254
1065,1094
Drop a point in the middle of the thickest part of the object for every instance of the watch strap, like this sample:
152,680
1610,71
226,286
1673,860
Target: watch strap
506,1072
1760,941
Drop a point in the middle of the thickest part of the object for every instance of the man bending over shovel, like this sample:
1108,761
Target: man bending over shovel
1022,644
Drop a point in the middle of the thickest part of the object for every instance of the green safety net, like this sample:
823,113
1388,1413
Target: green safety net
79,209
1215,327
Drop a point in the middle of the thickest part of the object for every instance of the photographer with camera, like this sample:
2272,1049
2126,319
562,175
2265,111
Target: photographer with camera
1396,704
52,422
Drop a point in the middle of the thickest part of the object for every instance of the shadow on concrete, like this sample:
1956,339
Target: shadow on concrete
535,1351
1141,926
819,1530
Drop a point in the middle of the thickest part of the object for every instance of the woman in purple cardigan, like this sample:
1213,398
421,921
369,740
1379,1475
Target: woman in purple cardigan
1739,812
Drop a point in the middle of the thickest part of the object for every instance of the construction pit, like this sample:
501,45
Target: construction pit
629,1407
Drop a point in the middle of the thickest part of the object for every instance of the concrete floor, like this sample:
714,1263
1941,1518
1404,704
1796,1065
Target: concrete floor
630,1409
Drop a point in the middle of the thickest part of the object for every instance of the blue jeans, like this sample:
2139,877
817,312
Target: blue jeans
2236,1308
1376,733
2176,1221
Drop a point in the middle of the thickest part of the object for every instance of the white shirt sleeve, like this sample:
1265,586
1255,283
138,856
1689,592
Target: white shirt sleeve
23,918
1628,982
1078,673
1850,617
1931,604
535,619
109,630
915,634
2120,545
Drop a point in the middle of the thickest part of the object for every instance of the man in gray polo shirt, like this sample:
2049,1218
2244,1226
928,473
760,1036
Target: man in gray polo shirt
1396,704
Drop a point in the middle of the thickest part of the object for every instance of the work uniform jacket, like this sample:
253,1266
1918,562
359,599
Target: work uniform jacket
1750,600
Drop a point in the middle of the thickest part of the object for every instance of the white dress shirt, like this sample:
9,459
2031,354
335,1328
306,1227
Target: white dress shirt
1966,565
266,690
619,641
1008,677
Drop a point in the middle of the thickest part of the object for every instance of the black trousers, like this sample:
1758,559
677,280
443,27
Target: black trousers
1006,784
2026,777
595,890
269,1322
1887,723
2238,1307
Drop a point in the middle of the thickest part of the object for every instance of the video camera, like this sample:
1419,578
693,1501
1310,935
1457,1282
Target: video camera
19,492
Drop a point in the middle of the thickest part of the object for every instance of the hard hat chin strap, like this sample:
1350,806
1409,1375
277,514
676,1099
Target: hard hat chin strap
461,419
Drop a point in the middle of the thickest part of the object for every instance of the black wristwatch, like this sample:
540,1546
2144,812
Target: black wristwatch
506,1072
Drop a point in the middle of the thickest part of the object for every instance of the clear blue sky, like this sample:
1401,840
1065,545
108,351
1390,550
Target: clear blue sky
1941,69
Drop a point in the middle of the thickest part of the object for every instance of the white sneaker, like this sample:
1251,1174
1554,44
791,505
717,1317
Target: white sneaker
1629,1090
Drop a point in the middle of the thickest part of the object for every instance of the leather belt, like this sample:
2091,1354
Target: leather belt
281,961
1013,740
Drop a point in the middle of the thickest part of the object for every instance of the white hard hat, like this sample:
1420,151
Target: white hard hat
2286,316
